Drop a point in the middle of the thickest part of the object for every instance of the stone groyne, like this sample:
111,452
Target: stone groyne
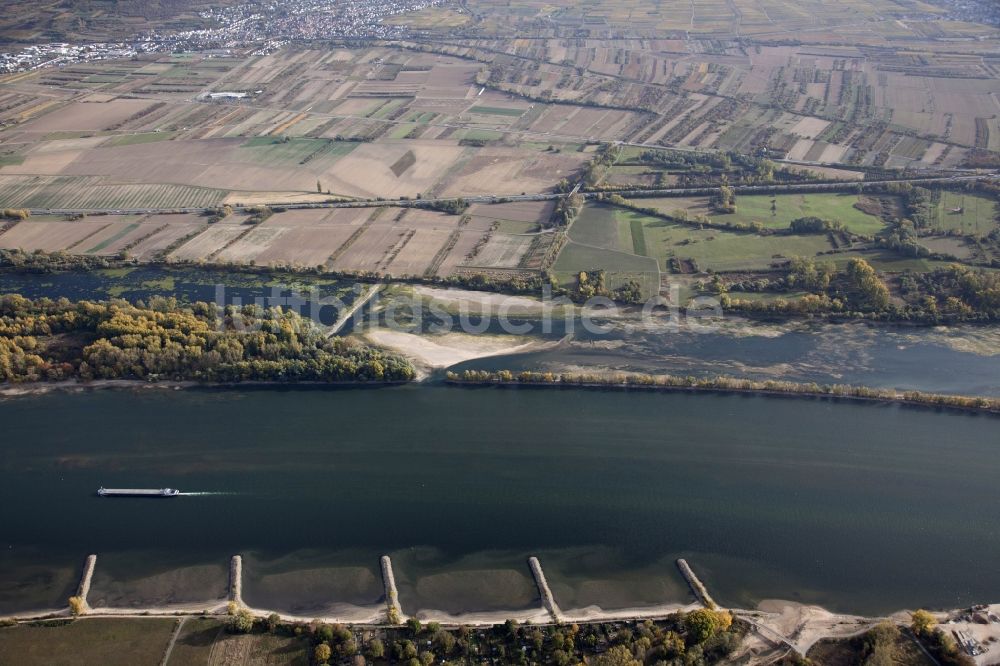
391,593
543,589
236,580
696,585
88,574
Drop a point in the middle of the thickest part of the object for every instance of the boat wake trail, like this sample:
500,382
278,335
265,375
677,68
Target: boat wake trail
205,493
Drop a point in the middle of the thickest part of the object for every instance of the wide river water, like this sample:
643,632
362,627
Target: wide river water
859,507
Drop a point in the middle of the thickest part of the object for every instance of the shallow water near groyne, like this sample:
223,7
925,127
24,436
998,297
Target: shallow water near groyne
859,507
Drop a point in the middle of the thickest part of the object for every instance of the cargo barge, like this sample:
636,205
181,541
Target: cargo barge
138,492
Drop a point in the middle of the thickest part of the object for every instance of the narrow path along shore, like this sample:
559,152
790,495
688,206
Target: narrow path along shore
173,641
359,303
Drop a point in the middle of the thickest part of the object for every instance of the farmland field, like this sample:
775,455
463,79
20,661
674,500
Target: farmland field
600,226
966,213
109,641
96,193
720,250
511,108
205,641
787,207
619,236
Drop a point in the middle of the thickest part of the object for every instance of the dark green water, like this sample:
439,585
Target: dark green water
863,508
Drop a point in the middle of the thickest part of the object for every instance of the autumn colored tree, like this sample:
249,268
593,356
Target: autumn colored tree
922,622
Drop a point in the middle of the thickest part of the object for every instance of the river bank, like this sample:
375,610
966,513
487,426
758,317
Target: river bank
9,390
775,625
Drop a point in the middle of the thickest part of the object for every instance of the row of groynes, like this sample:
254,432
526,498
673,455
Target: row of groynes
723,384
394,612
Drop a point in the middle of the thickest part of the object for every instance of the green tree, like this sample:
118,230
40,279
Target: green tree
444,641
347,648
77,606
322,653
922,622
619,655
405,650
273,620
241,622
871,291
376,649
701,624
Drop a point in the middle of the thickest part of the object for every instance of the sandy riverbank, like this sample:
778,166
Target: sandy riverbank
480,301
442,351
803,625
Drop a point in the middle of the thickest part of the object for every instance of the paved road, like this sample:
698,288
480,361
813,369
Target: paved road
546,196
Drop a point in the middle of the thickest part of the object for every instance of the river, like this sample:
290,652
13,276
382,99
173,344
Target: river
858,507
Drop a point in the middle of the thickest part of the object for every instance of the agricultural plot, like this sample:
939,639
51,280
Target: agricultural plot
465,245
50,236
208,243
501,251
505,171
600,226
513,112
777,212
513,217
170,230
968,214
787,207
318,153
415,257
206,641
92,114
619,266
372,249
97,193
631,242
109,236
717,250
110,641
368,171
248,248
959,248
610,239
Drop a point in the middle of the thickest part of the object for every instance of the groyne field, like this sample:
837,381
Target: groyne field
228,631
722,384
